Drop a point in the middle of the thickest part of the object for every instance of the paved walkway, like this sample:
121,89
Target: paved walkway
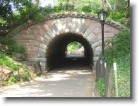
57,83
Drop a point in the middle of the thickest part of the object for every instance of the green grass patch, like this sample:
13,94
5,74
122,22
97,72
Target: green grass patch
20,72
6,60
118,50
100,85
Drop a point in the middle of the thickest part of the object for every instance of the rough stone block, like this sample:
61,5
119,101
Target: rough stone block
96,44
47,37
68,23
45,41
82,29
96,31
17,37
94,25
31,36
41,55
39,38
97,49
96,53
49,23
50,33
87,33
36,43
42,45
95,58
109,35
87,22
42,50
54,30
34,48
92,38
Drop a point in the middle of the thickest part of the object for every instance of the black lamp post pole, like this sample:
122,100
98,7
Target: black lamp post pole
102,17
103,55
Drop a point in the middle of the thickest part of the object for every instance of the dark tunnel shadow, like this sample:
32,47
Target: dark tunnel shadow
56,57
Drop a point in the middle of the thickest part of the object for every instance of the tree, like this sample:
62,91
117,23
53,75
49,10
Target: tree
37,2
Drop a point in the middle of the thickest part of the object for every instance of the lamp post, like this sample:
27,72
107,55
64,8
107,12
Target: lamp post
102,18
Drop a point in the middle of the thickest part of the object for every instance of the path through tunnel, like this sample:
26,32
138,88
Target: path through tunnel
56,52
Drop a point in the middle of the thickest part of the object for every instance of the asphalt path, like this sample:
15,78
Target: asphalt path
56,83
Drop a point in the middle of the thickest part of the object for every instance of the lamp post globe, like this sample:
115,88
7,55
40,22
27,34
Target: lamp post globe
102,15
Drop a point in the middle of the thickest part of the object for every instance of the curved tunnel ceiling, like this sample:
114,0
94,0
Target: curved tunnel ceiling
55,52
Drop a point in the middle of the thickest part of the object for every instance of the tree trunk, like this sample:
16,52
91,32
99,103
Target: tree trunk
109,5
115,5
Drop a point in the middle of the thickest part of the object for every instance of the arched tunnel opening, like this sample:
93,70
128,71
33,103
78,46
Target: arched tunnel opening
56,52
74,49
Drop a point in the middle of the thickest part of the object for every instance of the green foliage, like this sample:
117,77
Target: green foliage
69,7
13,79
117,14
27,11
17,48
100,85
87,9
25,76
7,61
118,47
6,41
11,44
2,21
118,50
73,46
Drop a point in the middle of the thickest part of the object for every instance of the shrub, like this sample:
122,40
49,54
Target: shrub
6,60
11,44
100,85
117,14
118,50
16,48
26,76
13,79
87,9
6,41
73,46
118,47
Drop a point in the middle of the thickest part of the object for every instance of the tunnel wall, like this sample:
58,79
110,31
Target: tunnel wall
55,53
37,36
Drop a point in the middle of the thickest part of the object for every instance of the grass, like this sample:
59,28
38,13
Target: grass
118,51
6,60
100,85
20,72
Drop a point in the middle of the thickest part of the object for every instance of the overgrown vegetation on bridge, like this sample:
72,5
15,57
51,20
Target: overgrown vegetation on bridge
17,12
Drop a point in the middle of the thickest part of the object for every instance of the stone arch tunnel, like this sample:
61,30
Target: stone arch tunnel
45,40
56,50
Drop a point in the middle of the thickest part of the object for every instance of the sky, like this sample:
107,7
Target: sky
44,3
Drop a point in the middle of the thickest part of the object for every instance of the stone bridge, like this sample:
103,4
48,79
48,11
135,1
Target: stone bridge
46,40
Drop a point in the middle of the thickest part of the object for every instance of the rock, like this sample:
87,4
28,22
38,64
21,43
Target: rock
3,47
5,73
37,68
19,56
